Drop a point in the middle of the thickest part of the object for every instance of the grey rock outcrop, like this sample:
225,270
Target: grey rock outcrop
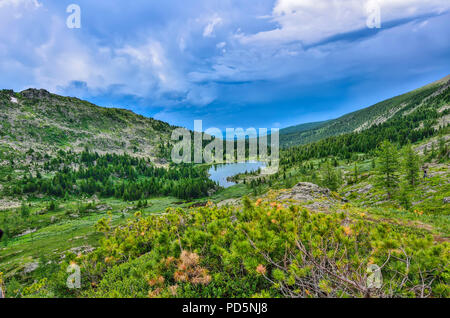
33,93
305,191
31,267
317,198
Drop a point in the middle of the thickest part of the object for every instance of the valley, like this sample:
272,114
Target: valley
95,187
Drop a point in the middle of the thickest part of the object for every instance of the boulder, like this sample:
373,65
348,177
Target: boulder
305,191
317,198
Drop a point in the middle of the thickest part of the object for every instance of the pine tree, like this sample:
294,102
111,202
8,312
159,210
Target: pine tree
388,167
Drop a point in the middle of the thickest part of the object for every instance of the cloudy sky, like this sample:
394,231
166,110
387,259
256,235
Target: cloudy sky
230,63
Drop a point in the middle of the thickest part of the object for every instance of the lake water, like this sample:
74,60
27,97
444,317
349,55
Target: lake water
220,173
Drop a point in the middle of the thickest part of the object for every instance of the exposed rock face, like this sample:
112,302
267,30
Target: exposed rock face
447,200
85,249
365,189
6,204
33,93
9,92
103,207
27,232
31,267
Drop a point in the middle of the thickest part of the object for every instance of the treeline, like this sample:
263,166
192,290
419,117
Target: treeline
112,175
401,129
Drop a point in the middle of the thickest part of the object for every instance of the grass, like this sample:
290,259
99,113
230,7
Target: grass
53,240
434,223
233,192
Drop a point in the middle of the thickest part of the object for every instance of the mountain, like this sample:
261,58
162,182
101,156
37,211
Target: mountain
47,123
296,132
365,118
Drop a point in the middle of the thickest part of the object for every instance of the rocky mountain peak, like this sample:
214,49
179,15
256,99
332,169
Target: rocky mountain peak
34,93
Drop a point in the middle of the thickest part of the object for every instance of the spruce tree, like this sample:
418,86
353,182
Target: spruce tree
355,173
388,167
443,149
411,165
329,176
24,210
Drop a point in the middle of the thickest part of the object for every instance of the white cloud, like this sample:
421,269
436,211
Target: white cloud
200,96
310,21
19,3
175,63
221,45
209,28
17,8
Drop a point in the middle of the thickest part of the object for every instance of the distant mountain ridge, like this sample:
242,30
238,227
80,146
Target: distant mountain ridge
362,119
37,119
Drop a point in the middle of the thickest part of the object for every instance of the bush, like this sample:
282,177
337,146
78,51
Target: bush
264,249
24,210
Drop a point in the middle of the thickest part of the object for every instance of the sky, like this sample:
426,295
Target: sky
231,63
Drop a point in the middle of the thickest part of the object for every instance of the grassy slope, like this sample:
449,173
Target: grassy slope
49,122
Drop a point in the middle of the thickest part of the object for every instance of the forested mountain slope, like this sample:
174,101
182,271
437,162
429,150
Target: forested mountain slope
289,135
365,118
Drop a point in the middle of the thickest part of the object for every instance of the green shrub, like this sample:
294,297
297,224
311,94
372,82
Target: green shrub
262,250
